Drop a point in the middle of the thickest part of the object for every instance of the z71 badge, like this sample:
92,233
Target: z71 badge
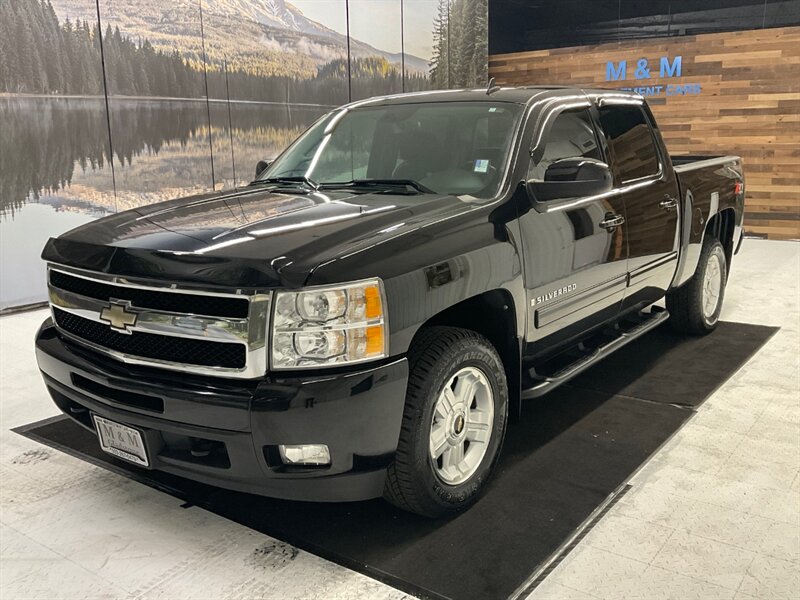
554,294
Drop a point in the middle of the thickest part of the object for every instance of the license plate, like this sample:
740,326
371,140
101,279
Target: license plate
121,441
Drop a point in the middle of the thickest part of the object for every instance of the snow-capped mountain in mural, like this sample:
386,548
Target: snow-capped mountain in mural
272,13
272,37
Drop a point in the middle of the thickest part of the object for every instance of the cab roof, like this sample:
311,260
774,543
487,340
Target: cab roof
517,95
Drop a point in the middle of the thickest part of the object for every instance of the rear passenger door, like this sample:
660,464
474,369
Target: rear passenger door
648,187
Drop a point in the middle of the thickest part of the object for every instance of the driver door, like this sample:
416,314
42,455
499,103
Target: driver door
575,249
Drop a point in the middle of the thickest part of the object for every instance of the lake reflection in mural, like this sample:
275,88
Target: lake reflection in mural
58,174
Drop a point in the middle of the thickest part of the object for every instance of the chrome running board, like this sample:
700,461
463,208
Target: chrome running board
624,332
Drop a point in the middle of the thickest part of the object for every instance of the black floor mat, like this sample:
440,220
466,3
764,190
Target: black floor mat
570,451
670,368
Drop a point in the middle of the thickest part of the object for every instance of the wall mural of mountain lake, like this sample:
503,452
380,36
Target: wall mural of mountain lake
193,94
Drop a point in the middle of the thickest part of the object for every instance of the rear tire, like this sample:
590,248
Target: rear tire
453,424
695,307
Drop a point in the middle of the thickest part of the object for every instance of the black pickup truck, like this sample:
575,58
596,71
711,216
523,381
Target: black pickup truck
364,317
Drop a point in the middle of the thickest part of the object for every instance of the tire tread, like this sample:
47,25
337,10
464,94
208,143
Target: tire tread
685,304
431,345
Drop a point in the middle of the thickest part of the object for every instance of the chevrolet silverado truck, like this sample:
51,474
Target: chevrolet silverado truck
366,317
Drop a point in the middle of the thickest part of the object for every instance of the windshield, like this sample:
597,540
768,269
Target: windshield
444,147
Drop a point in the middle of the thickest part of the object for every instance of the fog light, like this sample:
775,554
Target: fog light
305,454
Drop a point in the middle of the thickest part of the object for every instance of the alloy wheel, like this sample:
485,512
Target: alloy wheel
461,425
712,286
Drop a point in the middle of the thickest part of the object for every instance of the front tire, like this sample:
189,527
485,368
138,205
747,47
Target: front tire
453,424
695,307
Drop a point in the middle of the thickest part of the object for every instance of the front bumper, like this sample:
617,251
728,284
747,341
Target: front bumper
226,432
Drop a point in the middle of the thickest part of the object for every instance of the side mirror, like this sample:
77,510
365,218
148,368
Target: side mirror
261,165
572,178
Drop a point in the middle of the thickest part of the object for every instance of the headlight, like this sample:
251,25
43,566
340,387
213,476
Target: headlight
330,326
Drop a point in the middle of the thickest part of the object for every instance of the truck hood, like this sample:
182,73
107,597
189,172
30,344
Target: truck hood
250,237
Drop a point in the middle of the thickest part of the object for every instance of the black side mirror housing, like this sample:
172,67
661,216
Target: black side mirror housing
572,178
261,165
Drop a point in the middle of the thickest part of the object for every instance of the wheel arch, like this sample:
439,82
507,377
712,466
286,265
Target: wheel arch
721,226
493,315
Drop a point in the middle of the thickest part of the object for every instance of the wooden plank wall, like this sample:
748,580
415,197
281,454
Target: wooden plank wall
749,105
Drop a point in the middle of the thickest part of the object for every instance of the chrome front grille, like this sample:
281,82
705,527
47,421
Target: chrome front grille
187,302
144,323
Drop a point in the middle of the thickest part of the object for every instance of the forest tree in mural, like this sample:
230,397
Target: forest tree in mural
48,57
460,36
41,55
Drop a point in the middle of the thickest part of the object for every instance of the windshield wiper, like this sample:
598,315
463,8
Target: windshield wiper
299,179
409,185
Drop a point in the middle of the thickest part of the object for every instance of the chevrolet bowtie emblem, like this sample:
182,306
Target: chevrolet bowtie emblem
117,315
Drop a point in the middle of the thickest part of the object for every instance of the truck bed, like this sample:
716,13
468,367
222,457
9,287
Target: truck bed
689,162
710,184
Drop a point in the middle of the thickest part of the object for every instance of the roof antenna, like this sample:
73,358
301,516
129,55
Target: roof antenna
492,88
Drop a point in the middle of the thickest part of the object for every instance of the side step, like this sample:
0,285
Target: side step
624,332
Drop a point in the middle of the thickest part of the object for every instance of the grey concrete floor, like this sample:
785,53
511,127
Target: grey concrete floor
715,514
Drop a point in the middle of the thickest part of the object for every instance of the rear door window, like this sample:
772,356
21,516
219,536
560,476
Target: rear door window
631,141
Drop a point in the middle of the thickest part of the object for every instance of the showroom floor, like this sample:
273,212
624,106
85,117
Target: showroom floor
715,514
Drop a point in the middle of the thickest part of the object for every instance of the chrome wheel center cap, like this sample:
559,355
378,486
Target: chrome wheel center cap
458,425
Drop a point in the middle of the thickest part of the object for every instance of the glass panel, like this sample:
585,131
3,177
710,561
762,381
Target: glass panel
448,147
460,44
418,43
55,172
159,117
375,48
273,69
631,141
571,136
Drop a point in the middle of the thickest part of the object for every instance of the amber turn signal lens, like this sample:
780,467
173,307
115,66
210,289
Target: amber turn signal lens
373,299
374,340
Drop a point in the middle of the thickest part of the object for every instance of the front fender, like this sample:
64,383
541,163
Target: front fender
436,267
418,296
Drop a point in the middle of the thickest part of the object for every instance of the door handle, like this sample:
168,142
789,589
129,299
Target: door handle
612,221
668,203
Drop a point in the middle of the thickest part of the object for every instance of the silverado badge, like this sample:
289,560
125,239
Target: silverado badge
554,294
118,317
